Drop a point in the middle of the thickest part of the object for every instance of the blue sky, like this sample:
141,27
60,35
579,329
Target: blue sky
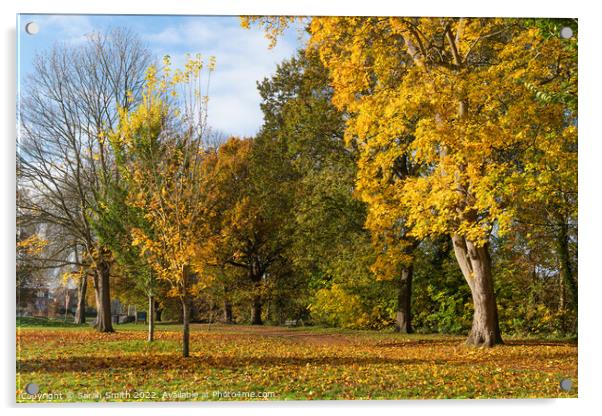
242,55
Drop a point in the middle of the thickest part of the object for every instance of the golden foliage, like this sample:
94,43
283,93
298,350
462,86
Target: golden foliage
454,96
32,245
163,167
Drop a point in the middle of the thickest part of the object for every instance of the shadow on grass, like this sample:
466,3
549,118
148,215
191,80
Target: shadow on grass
165,362
541,343
175,362
425,342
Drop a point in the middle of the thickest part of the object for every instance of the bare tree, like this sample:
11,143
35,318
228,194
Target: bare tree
65,163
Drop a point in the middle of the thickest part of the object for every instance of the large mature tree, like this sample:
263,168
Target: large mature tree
467,91
251,203
69,100
475,140
329,240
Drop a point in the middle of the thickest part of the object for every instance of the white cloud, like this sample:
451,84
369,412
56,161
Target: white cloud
166,37
67,28
234,116
243,58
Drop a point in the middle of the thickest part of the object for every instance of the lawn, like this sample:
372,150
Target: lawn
74,363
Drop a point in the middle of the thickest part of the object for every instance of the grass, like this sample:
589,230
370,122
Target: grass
235,362
35,322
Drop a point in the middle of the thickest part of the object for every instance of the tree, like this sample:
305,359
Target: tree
81,279
114,224
161,151
466,91
548,205
330,248
69,101
250,202
472,139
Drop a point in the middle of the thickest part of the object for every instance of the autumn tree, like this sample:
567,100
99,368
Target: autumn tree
547,217
474,140
466,90
161,150
330,248
69,100
114,225
251,201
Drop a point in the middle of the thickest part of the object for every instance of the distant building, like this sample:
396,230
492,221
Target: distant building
47,303
33,302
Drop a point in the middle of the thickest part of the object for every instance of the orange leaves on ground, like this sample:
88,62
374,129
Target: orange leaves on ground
292,363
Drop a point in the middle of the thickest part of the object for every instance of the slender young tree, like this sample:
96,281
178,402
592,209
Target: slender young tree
162,151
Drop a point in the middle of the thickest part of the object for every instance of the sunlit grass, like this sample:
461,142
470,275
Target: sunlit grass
278,363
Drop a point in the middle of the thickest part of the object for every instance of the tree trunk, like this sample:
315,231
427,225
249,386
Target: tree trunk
256,311
103,298
255,275
186,312
151,318
567,279
566,269
185,326
158,311
561,295
475,264
80,311
67,299
228,317
403,320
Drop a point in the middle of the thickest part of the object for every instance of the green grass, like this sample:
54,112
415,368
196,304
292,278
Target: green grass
35,322
77,364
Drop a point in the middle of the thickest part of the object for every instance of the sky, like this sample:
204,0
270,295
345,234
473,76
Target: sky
242,55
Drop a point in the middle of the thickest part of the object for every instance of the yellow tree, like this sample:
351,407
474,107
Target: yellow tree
161,147
460,97
250,201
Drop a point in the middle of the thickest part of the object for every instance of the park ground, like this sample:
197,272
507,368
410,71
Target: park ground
235,362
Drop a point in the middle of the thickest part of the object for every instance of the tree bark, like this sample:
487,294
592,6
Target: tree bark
403,320
475,264
185,326
566,269
67,299
561,295
151,318
103,298
255,275
158,311
228,316
256,310
185,313
567,279
80,312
